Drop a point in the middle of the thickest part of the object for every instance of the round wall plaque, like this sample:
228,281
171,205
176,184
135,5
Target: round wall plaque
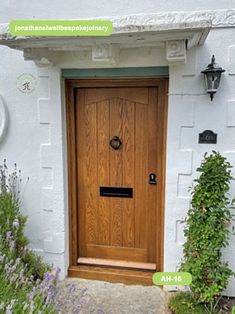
26,83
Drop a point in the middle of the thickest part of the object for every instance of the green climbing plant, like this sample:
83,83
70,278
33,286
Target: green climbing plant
206,230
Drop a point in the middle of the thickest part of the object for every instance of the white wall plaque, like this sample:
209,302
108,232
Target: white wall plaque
26,83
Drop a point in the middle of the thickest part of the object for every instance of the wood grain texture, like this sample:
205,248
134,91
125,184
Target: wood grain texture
125,230
81,171
111,221
103,161
116,252
139,94
152,168
141,175
116,171
131,276
90,171
128,158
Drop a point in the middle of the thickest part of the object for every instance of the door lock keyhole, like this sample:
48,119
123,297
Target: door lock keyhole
152,178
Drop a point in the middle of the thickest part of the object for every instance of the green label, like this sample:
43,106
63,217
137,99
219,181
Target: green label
172,279
61,28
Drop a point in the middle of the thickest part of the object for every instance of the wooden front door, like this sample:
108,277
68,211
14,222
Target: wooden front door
118,136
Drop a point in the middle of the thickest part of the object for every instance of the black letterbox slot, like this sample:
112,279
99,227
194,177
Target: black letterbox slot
116,192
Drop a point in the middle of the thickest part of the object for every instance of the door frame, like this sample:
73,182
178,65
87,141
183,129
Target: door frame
102,273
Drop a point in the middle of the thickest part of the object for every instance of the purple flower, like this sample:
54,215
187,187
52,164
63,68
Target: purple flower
58,270
51,295
21,273
12,245
8,235
77,309
72,287
9,309
84,291
48,276
16,223
13,268
34,289
30,296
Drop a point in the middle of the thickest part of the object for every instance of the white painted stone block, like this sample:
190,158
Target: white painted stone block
43,87
228,256
45,133
48,200
179,236
48,155
231,59
183,184
47,178
187,138
46,113
189,69
55,244
231,113
181,110
185,161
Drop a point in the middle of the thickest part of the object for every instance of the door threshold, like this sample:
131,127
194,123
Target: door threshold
116,263
131,276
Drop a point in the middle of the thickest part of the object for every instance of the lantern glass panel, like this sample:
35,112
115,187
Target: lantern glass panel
212,80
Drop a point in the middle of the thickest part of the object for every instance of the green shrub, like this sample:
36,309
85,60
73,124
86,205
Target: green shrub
184,303
206,232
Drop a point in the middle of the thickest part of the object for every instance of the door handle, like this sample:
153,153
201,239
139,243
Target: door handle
152,178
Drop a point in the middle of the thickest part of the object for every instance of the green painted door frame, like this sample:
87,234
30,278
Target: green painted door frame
116,72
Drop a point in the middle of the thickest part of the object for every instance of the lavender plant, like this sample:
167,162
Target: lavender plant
17,277
27,285
19,292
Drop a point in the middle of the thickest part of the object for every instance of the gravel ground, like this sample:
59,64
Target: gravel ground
101,297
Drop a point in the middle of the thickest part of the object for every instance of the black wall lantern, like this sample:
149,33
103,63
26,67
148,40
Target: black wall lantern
212,76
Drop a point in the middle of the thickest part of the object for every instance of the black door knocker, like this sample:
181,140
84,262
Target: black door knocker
115,142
